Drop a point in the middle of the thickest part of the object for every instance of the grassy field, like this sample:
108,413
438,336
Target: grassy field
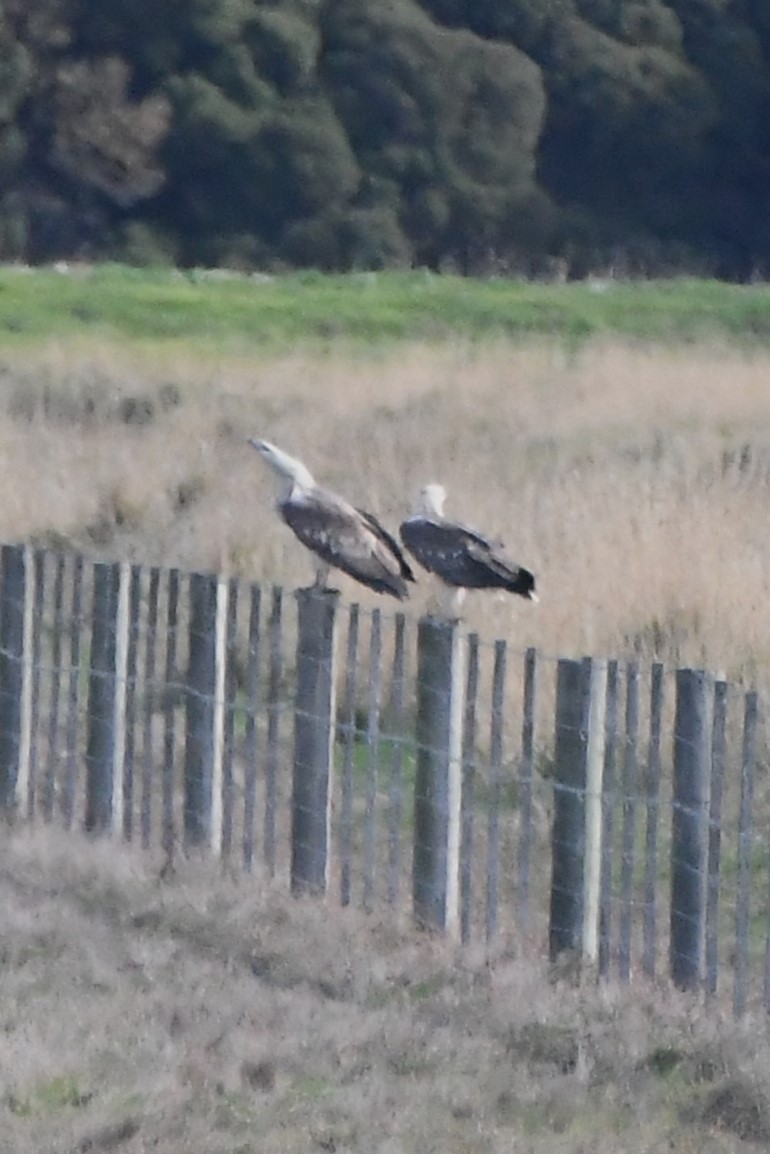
618,438
631,475
190,1012
230,314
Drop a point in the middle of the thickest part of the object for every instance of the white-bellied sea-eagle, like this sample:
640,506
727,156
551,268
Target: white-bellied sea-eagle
460,557
342,536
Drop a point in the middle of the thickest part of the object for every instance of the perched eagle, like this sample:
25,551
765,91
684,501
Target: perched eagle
460,557
342,536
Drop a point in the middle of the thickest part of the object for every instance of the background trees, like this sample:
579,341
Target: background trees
474,134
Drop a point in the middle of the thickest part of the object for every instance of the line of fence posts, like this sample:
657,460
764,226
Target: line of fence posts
586,797
586,790
583,833
207,761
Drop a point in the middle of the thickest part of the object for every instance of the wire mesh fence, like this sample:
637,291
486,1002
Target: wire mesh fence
612,811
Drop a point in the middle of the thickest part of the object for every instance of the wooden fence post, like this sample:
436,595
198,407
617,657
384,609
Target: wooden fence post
253,694
37,562
100,742
148,727
374,693
629,788
218,714
275,635
229,594
652,803
30,677
689,834
435,865
718,765
48,792
348,733
134,609
12,571
120,693
468,787
576,841
609,802
595,674
495,786
74,628
397,728
526,779
745,830
314,730
170,682
200,710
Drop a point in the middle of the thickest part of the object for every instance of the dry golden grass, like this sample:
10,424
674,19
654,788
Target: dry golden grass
203,1014
633,480
195,1013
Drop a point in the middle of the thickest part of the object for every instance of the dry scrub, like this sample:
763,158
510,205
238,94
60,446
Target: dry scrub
194,1013
634,480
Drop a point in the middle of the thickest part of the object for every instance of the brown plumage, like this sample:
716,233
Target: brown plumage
460,557
341,535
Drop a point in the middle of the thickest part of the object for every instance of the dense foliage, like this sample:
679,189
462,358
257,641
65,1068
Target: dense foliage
523,135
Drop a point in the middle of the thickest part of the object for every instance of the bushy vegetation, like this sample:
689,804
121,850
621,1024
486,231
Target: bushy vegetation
541,137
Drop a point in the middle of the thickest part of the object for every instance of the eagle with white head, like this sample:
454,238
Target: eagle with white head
341,535
460,557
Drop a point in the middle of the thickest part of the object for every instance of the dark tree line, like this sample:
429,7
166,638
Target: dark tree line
473,134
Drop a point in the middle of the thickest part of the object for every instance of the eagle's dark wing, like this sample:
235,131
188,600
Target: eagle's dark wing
441,548
342,537
390,541
463,558
503,572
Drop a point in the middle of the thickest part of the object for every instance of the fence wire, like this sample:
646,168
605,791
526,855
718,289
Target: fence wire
610,808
